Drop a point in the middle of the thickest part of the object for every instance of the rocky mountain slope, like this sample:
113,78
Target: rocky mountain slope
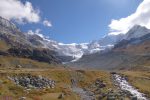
133,50
95,54
13,37
15,43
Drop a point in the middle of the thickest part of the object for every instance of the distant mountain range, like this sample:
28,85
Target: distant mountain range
132,50
11,34
108,52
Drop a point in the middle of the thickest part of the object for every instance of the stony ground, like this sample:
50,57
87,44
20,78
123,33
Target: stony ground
46,84
30,81
59,84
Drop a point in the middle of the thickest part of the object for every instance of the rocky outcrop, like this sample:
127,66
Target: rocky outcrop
30,81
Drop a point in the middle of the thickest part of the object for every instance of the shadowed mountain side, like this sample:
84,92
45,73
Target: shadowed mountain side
111,60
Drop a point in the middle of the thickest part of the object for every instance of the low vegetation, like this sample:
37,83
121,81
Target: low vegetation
62,77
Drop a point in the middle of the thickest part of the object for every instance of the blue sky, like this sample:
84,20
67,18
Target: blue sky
78,21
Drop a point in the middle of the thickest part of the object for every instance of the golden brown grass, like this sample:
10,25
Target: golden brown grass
4,46
62,77
12,62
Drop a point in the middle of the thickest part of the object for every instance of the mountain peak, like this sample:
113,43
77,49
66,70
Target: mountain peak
137,27
136,32
7,24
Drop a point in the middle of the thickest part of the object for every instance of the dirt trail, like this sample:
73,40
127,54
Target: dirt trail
84,94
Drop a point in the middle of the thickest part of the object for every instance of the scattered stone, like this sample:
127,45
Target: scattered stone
18,66
22,98
29,81
134,98
99,83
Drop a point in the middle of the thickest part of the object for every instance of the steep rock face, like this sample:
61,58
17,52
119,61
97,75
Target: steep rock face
18,44
11,34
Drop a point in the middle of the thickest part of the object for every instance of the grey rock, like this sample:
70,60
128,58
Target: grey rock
134,98
30,81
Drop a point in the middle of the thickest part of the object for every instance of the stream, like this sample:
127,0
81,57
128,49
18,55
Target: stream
121,84
125,86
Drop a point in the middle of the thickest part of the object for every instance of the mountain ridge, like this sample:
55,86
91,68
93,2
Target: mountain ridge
17,38
65,52
126,53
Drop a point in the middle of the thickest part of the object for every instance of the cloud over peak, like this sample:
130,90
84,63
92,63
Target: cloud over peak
16,10
140,17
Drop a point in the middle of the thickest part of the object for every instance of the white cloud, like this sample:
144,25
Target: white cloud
140,17
47,23
36,32
16,10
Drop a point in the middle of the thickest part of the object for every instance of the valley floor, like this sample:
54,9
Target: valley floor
71,84
62,77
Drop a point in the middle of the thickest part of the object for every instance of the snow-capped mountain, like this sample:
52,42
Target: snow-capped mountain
132,50
104,44
73,50
34,39
110,39
78,50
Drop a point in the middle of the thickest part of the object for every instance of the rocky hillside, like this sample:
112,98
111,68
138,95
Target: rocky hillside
15,43
127,53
